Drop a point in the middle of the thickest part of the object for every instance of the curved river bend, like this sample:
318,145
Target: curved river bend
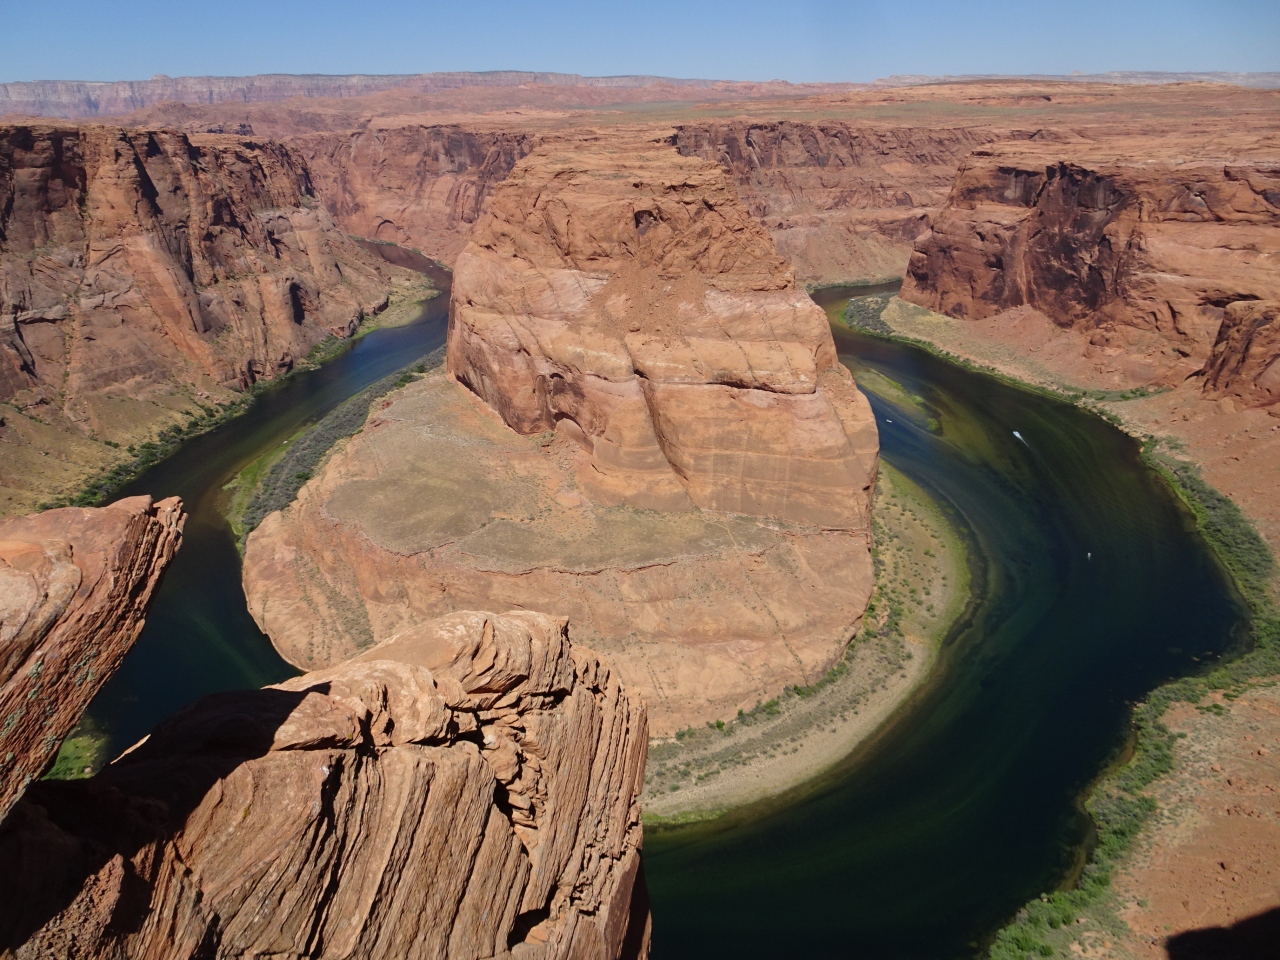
1091,588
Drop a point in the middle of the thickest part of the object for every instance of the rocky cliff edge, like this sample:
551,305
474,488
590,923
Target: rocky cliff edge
467,789
74,586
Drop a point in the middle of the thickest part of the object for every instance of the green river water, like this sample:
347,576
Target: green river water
1091,588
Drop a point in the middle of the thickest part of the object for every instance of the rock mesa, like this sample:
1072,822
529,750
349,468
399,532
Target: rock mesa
466,790
74,586
656,440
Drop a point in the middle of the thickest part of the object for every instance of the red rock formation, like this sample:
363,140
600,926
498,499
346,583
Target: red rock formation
626,297
688,477
133,263
1144,255
843,201
420,186
1246,357
74,585
466,790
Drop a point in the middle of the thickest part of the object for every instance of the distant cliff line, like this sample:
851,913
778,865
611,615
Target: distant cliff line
78,99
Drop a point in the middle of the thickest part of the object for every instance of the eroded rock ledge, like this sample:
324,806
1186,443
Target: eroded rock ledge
467,789
74,586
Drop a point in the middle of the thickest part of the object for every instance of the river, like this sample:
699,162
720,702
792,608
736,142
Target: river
199,637
1091,588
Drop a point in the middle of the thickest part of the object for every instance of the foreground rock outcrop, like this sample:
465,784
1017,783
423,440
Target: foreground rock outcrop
146,273
467,790
1165,265
74,586
678,463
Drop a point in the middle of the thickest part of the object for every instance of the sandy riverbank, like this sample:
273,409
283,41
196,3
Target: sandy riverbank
798,735
1235,449
1199,878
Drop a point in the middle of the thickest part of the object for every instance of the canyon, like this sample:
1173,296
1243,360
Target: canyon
147,277
644,431
1159,259
680,467
1142,273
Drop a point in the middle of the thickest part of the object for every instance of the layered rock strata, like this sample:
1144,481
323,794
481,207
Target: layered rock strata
843,201
628,300
418,185
74,586
144,277
133,258
677,462
465,790
1167,266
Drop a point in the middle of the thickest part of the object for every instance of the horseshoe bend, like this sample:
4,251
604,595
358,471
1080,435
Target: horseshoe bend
517,516
642,417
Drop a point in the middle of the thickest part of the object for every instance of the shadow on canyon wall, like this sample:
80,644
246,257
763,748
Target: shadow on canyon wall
1254,938
62,833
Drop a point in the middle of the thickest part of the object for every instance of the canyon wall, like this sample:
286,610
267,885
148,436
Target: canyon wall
130,258
418,186
74,585
466,790
146,274
843,201
1165,262
654,438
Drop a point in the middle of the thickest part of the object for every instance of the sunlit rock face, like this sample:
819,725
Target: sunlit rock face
646,430
466,790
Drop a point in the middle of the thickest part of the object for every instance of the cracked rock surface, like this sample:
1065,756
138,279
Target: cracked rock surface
467,789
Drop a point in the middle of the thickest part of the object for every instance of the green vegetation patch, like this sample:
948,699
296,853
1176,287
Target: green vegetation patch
863,313
272,482
82,753
1120,804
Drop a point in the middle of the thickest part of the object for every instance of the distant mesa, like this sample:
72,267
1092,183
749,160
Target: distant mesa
88,98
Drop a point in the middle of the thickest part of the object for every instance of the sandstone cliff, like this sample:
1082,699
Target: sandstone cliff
142,273
74,585
420,186
1144,254
1246,354
626,297
843,201
680,466
466,790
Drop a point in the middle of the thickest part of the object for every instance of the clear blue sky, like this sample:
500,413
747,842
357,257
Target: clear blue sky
739,40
